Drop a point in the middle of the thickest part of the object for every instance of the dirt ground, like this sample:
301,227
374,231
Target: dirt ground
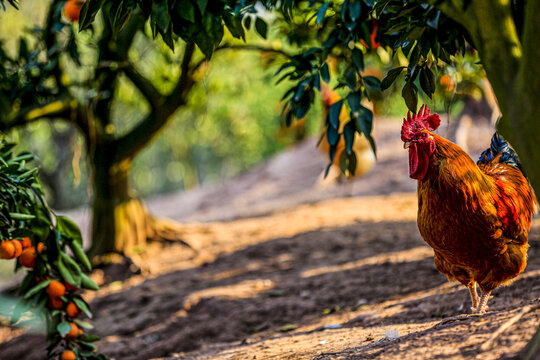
321,277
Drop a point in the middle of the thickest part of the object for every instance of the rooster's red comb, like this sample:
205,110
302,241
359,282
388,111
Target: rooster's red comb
415,122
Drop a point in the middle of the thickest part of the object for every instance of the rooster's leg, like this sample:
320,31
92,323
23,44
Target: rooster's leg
482,307
474,297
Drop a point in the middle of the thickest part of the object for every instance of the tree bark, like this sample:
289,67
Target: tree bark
120,221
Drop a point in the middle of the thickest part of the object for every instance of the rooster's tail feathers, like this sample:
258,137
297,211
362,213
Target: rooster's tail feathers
500,146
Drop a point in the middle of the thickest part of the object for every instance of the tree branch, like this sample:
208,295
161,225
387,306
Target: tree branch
61,108
179,93
259,48
147,89
132,142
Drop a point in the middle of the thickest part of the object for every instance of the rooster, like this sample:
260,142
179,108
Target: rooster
476,217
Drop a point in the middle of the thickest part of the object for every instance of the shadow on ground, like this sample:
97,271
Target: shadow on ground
376,273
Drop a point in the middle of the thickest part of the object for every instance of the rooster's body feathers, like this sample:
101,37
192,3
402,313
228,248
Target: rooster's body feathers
476,217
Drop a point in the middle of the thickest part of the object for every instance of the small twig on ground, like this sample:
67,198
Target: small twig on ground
526,309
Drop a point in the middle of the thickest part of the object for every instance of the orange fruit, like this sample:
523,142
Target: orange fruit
55,303
56,289
73,311
26,242
68,355
72,9
74,332
70,287
40,247
28,258
7,250
447,82
18,247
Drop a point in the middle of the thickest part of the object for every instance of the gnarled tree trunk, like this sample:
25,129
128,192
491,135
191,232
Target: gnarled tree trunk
121,222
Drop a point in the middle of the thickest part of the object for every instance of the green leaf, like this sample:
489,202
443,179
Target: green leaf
120,16
247,22
81,304
427,81
88,13
261,27
321,12
186,10
202,5
364,121
391,77
80,255
410,94
69,270
354,101
325,72
349,131
372,83
63,328
332,135
160,14
351,163
358,59
86,346
69,229
83,324
88,283
350,79
334,113
28,173
19,216
36,289
88,337
234,24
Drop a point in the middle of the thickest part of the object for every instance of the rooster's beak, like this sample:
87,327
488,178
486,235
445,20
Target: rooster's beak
406,145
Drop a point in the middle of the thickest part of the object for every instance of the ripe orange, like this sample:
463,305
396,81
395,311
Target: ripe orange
55,303
70,287
447,82
73,311
40,247
74,332
18,247
7,250
68,355
26,242
72,9
56,289
28,258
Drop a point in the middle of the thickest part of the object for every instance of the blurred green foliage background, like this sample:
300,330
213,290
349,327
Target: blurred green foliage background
232,122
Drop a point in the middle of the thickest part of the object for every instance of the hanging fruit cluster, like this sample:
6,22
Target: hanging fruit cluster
38,241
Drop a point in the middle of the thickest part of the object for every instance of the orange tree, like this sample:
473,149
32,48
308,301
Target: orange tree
60,73
427,35
39,240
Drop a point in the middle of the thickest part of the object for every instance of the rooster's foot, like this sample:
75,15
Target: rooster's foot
482,306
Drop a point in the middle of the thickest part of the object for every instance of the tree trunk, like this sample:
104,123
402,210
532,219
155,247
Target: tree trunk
121,222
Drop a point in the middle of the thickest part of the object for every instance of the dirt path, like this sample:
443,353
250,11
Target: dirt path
286,270
343,278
